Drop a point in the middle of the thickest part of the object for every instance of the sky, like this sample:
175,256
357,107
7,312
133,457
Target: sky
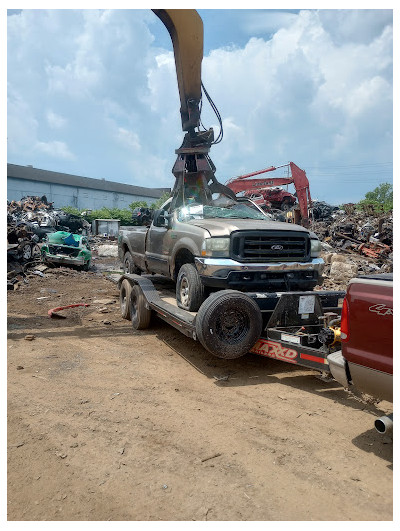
94,93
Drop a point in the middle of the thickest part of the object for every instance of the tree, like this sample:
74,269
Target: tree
157,204
381,198
135,204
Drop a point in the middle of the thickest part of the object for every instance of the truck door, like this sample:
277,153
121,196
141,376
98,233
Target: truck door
158,245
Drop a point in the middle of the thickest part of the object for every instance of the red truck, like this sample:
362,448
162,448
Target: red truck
365,361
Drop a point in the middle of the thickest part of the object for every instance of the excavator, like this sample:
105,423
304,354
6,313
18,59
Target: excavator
296,176
193,168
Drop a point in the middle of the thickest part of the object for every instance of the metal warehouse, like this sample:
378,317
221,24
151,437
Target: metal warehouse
72,190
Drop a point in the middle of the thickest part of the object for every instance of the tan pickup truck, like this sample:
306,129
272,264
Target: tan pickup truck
230,245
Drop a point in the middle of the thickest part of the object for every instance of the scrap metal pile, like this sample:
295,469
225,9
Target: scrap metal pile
29,221
355,242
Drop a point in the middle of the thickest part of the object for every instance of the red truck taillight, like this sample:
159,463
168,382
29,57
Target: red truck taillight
344,324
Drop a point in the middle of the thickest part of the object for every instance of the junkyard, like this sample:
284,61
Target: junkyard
108,423
218,350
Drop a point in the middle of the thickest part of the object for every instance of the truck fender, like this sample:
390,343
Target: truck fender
184,244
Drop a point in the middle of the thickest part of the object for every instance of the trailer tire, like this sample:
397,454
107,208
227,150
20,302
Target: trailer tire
228,324
124,299
189,288
140,313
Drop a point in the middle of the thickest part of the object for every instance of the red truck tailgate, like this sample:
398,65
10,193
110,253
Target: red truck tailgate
370,303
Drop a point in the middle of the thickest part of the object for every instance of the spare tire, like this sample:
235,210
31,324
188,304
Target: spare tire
228,324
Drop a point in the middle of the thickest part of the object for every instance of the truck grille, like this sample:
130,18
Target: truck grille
270,246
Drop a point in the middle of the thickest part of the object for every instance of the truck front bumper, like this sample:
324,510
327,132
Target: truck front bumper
228,273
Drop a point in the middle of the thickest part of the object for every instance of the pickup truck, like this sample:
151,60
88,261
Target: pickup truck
222,245
365,361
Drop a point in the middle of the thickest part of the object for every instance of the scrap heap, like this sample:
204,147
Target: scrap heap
28,223
355,242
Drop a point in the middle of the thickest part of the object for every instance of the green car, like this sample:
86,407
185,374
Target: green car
68,249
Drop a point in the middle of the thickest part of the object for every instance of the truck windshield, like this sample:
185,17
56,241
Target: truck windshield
232,211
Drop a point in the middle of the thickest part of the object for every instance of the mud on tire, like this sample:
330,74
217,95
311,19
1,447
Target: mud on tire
228,324
189,288
139,312
129,264
124,299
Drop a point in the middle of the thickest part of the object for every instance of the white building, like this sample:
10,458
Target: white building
71,190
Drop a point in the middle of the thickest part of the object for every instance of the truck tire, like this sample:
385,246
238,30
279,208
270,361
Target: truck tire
286,205
129,264
228,324
140,314
189,288
124,299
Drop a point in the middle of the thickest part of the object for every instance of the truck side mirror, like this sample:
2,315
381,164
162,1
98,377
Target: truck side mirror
162,218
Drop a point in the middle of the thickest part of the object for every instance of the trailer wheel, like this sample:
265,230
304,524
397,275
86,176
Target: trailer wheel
228,324
189,288
124,298
140,314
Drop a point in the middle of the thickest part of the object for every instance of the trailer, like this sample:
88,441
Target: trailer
296,327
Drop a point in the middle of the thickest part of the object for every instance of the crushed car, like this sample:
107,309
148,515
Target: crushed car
68,249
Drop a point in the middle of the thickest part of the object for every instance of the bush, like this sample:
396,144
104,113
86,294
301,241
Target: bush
381,199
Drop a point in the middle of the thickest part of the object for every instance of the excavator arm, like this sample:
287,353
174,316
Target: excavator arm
186,30
298,177
193,166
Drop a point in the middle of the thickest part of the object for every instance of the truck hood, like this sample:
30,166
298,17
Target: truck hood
224,227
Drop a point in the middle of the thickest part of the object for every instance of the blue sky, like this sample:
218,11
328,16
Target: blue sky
94,93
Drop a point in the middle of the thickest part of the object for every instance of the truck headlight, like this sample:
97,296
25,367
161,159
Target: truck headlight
216,247
316,248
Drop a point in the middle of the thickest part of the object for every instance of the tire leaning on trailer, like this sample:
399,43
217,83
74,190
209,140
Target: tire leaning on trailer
124,299
228,324
139,311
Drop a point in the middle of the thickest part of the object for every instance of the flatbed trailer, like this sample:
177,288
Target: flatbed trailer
296,327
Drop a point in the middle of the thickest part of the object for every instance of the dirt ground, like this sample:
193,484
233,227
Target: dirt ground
109,424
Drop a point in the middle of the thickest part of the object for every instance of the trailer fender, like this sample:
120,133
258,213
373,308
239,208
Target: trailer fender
228,324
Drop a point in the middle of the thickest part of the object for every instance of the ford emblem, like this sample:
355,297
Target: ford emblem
277,247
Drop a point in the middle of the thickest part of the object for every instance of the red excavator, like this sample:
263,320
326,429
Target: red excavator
277,198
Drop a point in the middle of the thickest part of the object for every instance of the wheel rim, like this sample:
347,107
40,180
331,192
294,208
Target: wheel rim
184,291
127,268
232,326
35,251
26,252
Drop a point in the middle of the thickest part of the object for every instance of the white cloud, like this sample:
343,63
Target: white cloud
54,120
128,138
92,88
55,149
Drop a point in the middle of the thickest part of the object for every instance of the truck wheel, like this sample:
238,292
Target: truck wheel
228,324
140,314
189,288
124,298
129,264
286,205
